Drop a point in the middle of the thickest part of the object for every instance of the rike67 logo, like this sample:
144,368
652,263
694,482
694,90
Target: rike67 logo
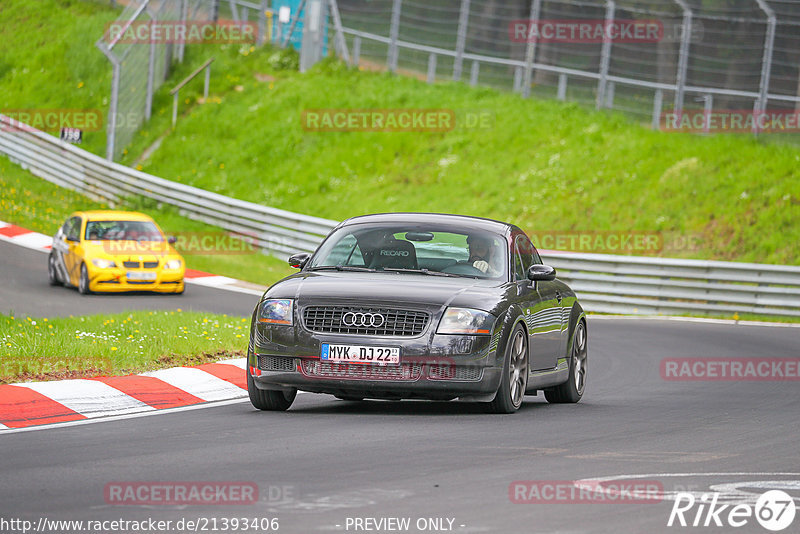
774,510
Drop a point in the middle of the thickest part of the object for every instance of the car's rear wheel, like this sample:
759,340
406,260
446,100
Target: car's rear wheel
83,283
572,390
514,379
52,273
275,401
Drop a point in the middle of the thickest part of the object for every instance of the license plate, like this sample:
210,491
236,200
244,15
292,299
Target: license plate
360,354
141,275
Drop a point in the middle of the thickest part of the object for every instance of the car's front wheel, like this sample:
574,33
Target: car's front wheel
572,390
83,283
514,379
52,273
275,401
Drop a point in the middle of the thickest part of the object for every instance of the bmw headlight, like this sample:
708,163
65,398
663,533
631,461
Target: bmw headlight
103,264
466,321
276,311
173,264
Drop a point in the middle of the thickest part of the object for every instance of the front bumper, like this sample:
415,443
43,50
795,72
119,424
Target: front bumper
431,366
115,280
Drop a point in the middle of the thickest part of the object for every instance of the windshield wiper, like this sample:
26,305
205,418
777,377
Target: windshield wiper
342,268
421,271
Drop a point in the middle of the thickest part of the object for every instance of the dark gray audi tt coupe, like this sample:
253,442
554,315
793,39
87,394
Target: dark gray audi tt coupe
418,305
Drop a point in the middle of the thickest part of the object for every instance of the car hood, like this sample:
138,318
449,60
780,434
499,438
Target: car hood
389,288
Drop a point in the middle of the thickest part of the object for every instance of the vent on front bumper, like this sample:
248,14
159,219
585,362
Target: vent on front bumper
365,321
454,372
355,371
275,363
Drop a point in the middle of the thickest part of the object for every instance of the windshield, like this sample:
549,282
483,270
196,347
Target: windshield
428,249
122,231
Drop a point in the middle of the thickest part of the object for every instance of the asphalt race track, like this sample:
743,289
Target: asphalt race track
24,290
327,460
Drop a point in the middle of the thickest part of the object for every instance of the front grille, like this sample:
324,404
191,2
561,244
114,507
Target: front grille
275,363
355,371
330,320
454,372
131,264
150,264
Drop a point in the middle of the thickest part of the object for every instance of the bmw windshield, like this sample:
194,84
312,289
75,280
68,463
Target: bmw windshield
427,249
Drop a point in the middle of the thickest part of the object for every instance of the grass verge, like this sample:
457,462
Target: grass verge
115,344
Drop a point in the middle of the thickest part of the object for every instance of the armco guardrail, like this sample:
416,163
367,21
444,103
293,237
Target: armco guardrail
604,282
68,166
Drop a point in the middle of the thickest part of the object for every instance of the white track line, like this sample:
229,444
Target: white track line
33,240
241,363
199,383
89,397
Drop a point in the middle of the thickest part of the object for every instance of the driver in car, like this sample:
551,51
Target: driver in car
483,254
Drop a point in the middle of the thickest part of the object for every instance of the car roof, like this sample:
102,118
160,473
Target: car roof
112,215
467,221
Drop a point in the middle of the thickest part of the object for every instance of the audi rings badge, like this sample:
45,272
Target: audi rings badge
359,319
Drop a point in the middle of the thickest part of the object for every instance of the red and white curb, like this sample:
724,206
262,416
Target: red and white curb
43,243
41,403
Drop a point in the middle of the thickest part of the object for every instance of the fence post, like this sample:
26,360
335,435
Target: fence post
111,128
262,23
473,73
517,79
605,55
658,104
562,87
766,63
461,39
183,16
356,50
394,31
683,58
432,68
530,49
215,10
151,74
708,107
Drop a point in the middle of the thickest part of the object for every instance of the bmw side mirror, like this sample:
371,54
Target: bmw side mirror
298,261
172,240
541,273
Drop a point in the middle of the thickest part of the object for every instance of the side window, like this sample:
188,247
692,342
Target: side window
346,252
536,259
72,229
519,270
524,253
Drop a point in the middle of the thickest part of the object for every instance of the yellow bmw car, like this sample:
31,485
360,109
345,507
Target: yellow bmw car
114,251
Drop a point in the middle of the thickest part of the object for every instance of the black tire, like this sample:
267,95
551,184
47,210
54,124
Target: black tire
274,401
83,283
514,378
52,272
572,390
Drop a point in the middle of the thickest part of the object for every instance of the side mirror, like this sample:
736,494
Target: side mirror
541,273
299,260
172,240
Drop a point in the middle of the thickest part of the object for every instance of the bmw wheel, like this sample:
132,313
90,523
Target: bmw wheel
83,283
514,379
572,390
52,273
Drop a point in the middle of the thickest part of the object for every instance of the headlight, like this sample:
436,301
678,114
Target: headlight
465,321
173,264
276,311
103,264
